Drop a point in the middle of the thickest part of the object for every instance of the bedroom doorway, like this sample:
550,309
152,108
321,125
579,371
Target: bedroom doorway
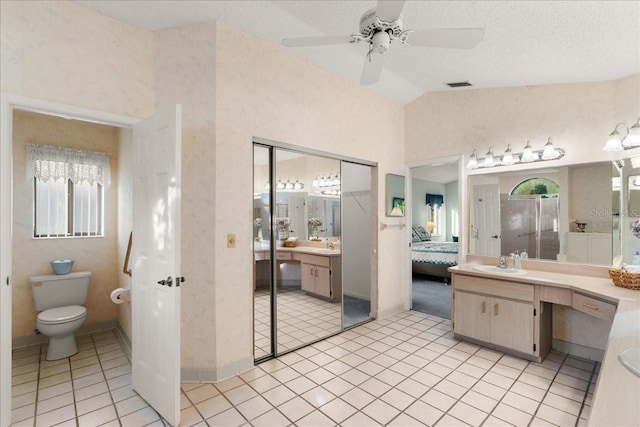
435,217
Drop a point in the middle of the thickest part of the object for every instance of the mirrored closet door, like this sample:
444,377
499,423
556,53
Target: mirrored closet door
299,224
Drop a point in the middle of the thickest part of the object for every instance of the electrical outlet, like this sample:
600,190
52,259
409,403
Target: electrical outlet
231,240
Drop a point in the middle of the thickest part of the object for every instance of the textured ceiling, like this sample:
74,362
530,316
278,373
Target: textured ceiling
525,43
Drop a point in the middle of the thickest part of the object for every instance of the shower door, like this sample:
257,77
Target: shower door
531,225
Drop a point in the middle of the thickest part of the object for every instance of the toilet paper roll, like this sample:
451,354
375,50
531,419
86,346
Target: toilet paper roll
118,294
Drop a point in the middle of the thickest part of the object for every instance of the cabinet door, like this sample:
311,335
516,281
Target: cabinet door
307,273
471,316
323,281
512,324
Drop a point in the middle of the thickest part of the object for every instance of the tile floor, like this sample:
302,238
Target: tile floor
301,319
402,371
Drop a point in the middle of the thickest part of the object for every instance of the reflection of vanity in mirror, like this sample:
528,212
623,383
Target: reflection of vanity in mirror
538,212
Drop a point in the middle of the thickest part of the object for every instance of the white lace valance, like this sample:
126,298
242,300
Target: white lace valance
47,162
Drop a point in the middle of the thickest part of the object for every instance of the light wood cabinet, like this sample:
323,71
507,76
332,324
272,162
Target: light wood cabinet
501,314
320,275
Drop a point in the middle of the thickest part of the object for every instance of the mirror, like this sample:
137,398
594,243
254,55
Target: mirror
538,221
395,195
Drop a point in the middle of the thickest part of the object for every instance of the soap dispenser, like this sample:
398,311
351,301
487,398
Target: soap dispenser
636,258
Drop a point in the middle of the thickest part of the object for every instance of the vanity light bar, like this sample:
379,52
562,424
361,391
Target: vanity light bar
528,155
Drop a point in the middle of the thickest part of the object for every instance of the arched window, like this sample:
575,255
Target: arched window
533,187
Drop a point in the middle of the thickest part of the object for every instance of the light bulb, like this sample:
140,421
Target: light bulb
614,142
549,152
488,159
507,157
527,154
473,161
633,138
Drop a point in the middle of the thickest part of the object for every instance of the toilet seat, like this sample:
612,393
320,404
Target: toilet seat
57,315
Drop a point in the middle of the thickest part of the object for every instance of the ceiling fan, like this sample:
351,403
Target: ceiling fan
382,25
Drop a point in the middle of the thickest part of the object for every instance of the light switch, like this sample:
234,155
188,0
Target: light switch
231,240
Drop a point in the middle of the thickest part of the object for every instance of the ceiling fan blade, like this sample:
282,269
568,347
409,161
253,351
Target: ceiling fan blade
388,10
456,38
372,68
316,41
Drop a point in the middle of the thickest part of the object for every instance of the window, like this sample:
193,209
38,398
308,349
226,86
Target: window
434,213
68,191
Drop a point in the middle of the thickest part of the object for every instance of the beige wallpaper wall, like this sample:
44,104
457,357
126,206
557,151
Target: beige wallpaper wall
32,256
577,116
264,91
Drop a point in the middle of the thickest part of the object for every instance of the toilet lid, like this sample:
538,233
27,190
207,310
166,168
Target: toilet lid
62,314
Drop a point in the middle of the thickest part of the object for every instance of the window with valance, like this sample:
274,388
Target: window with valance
434,205
68,190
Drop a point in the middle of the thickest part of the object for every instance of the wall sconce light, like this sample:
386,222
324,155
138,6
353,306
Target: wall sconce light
617,142
528,155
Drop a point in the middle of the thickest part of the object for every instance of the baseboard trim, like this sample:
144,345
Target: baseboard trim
578,350
124,340
390,312
35,339
216,375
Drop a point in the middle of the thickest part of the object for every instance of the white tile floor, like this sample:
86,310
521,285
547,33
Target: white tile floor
403,371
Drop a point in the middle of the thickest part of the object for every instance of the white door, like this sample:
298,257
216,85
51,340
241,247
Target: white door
156,261
486,199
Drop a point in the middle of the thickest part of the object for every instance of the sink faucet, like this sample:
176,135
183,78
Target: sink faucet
503,262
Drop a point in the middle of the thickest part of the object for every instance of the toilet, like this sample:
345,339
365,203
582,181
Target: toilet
59,300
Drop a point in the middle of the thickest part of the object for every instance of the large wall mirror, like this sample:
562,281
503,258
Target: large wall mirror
394,195
563,214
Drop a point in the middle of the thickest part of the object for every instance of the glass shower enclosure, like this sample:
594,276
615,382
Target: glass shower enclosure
530,223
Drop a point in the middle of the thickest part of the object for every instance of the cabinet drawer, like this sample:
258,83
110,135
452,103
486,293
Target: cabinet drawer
265,256
593,307
323,261
501,288
555,295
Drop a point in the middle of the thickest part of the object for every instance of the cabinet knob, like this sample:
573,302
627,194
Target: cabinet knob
484,307
495,309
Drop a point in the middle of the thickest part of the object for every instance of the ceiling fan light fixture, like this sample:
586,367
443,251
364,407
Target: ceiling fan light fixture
380,42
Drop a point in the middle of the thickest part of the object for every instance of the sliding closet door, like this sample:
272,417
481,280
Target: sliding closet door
306,309
357,226
263,322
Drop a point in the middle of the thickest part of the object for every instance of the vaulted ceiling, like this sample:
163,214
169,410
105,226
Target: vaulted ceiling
525,42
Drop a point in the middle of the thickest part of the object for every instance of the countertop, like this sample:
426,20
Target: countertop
616,401
303,249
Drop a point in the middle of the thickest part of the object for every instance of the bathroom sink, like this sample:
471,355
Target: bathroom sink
630,359
496,269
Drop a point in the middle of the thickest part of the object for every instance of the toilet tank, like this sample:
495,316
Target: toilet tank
53,290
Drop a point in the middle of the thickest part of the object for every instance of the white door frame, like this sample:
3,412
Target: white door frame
462,206
8,103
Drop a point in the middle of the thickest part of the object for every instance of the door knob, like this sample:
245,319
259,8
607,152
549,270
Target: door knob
168,282
495,236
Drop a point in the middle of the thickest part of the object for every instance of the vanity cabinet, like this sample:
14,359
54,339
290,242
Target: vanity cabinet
498,313
320,275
